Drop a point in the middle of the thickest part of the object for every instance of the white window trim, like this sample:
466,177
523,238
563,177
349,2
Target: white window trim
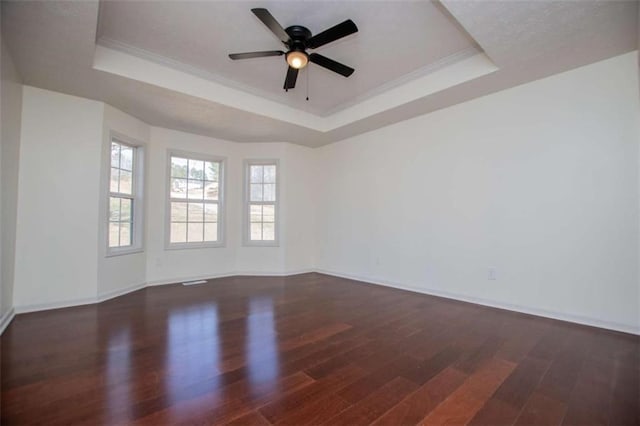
222,205
245,205
139,175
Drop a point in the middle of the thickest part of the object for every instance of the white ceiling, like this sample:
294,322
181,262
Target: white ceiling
394,39
54,46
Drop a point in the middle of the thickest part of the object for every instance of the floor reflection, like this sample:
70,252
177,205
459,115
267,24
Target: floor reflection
119,376
261,348
193,351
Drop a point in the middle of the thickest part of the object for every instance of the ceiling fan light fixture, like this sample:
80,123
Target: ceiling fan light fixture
297,59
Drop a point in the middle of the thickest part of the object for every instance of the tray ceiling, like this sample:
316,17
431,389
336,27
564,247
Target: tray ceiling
165,62
395,39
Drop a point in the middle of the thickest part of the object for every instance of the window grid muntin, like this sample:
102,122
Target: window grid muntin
208,178
257,177
118,195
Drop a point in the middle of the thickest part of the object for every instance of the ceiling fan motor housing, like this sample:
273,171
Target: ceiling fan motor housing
299,36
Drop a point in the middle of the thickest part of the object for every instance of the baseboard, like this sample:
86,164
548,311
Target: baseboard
179,280
119,292
593,322
6,320
36,307
77,302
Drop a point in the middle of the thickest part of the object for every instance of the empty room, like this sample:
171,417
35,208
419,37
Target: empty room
407,212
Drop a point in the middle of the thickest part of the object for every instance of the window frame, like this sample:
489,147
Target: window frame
137,197
222,183
246,217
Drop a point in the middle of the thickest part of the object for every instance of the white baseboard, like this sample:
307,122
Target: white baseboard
178,280
364,279
6,320
119,292
36,307
593,322
23,309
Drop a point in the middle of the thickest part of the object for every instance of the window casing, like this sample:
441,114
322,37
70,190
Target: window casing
125,201
261,215
196,197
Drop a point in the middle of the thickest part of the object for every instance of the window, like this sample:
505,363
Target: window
195,201
125,198
261,202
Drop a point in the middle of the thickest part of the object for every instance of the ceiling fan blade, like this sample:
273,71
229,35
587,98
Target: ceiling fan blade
330,64
249,55
332,34
290,81
272,24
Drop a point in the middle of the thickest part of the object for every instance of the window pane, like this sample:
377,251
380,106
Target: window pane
211,190
113,186
211,231
115,154
125,182
256,231
178,233
210,213
194,232
256,174
114,234
126,158
269,174
178,188
196,169
178,212
196,212
211,171
268,232
195,189
114,209
268,213
269,192
125,234
256,192
255,213
125,210
195,181
178,167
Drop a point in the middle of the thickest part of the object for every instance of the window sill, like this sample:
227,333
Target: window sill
183,246
261,244
123,252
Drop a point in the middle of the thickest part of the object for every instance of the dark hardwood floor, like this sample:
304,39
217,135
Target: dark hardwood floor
310,349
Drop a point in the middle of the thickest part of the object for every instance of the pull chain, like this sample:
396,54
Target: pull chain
308,68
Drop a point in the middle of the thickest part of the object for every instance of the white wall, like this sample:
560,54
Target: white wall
61,231
10,117
539,181
118,273
296,207
59,183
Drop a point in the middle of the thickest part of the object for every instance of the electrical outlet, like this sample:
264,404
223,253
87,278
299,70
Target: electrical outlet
492,275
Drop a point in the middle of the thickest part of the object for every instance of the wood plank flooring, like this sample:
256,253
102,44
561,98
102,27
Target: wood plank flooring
311,349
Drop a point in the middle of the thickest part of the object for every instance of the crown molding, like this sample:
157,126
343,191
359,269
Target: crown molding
147,67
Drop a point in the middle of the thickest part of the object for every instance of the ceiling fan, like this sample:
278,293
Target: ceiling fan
298,39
